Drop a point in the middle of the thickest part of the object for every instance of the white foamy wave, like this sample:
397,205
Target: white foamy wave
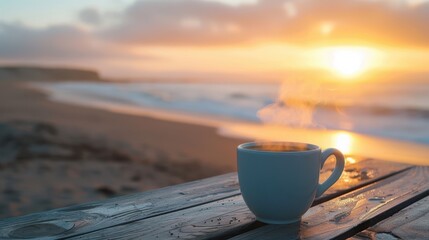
393,111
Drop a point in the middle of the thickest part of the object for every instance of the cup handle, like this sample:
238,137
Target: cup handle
336,174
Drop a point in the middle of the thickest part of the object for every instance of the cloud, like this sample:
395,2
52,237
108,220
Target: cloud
90,16
194,22
20,42
378,22
208,23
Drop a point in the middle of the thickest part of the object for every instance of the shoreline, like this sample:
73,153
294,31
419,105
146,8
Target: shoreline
85,100
50,110
391,118
358,144
87,154
352,144
62,154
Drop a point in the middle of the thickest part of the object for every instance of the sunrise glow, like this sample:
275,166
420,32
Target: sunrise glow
348,62
343,142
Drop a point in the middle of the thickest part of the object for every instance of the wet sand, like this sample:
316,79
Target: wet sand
351,144
84,154
54,154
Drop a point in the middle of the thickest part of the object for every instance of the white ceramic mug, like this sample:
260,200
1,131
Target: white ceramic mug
280,180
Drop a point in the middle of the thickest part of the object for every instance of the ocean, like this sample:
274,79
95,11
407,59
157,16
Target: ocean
397,110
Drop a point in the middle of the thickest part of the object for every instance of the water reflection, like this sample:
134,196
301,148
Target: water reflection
349,143
343,142
350,160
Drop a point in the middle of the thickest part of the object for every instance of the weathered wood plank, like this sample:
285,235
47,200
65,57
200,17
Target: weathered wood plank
80,219
344,216
409,223
230,216
357,173
97,215
213,219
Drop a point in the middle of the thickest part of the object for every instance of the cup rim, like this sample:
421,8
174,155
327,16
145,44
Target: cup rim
244,147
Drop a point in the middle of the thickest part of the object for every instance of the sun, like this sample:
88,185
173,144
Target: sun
348,61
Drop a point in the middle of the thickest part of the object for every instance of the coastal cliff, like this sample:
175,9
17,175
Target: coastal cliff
45,73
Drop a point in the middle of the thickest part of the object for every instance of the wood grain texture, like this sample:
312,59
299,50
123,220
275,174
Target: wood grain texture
357,173
92,217
231,216
409,223
103,214
215,219
346,215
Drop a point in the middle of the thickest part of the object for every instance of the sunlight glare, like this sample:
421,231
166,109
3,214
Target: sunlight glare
343,142
348,61
350,160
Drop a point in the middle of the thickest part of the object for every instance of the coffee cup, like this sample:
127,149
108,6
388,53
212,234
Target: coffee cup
280,180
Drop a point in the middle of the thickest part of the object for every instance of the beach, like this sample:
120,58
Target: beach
59,154
62,147
108,100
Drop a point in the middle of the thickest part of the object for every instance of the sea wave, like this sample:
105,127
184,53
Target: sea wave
397,116
376,110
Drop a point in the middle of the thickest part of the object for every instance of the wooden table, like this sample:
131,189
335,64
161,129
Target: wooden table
372,200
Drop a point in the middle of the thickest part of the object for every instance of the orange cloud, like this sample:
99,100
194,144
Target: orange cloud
194,22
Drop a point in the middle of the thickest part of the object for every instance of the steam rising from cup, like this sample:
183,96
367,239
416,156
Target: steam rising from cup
292,106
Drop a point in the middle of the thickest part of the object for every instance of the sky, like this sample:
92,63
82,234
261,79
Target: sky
218,39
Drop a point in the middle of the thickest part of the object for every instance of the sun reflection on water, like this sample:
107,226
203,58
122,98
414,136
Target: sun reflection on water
350,160
343,142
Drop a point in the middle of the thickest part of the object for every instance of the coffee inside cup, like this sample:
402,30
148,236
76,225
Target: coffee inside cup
281,147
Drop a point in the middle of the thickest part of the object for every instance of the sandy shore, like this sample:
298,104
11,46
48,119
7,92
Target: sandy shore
56,154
